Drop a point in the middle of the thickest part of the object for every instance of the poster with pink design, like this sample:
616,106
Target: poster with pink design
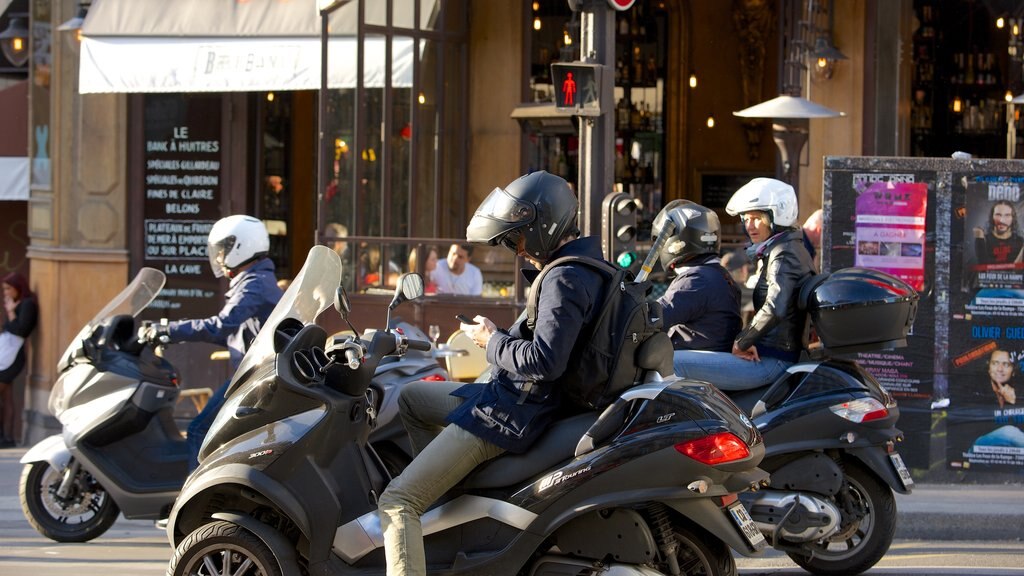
890,230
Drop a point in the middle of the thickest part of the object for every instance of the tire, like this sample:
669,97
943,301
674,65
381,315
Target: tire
701,554
205,552
86,513
860,543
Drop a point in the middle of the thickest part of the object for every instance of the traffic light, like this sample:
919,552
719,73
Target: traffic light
577,87
618,229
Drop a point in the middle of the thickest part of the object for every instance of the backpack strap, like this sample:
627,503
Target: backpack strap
531,303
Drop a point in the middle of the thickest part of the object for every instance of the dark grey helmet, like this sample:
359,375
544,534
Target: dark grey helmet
692,230
540,207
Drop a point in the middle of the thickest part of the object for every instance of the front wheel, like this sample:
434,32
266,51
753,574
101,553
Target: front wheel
869,522
700,554
221,548
84,513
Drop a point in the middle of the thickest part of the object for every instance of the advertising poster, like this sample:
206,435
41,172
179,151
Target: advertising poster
992,275
890,231
880,220
182,179
986,422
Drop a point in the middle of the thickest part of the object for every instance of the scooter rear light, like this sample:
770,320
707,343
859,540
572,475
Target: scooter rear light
861,410
715,449
434,378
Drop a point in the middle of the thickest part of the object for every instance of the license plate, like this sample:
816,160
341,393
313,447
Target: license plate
746,525
901,469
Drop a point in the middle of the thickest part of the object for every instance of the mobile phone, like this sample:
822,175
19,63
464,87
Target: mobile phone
464,319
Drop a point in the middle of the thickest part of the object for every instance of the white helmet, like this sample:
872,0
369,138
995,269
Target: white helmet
766,195
235,241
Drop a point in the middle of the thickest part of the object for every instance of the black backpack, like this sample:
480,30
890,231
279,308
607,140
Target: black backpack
607,361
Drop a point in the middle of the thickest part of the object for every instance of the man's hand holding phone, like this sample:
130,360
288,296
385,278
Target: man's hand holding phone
479,329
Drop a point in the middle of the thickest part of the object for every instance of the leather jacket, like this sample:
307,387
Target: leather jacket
782,265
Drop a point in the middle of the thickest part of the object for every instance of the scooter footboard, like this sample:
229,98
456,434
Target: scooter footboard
52,450
705,513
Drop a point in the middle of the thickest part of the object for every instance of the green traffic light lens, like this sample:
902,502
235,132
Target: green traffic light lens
626,259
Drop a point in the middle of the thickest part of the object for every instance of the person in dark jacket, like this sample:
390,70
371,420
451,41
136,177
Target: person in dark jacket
455,427
238,247
773,339
702,304
20,314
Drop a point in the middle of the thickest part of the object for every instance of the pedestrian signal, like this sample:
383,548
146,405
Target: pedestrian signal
577,87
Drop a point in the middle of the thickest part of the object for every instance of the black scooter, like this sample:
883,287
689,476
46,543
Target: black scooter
121,450
288,484
830,428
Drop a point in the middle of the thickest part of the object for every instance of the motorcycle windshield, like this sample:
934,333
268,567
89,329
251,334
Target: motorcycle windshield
135,297
310,293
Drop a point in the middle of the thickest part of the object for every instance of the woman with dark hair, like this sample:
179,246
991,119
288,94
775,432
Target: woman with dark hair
20,313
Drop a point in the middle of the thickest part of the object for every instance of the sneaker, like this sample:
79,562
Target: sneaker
940,404
160,524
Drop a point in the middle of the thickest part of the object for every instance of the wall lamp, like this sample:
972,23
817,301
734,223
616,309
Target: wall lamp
14,40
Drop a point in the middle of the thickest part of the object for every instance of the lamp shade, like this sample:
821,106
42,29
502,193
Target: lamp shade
786,106
14,40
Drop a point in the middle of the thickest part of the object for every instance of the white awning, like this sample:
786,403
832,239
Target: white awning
227,46
13,178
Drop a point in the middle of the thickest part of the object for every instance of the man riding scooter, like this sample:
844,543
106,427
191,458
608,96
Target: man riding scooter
455,427
829,427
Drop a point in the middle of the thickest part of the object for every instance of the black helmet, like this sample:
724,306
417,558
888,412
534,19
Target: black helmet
539,206
691,229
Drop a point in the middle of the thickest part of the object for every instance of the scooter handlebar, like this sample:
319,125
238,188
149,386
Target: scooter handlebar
420,345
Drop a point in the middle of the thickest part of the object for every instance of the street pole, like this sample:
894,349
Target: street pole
597,133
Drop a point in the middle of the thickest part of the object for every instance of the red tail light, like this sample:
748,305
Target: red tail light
435,378
715,449
862,410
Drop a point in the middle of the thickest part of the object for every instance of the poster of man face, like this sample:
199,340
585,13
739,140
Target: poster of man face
993,247
986,423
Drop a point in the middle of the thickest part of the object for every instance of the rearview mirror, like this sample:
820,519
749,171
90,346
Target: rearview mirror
341,303
408,287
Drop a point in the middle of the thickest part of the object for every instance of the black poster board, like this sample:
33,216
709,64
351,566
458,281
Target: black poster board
969,330
182,174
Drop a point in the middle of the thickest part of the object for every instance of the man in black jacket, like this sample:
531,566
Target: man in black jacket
455,427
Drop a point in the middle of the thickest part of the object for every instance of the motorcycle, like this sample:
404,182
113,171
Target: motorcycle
830,429
121,450
288,482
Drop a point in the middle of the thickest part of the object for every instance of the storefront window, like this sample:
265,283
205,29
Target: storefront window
397,165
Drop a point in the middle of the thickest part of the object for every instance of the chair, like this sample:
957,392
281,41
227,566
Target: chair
464,367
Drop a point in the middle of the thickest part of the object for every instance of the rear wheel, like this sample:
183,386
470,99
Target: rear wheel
223,549
701,554
86,512
869,522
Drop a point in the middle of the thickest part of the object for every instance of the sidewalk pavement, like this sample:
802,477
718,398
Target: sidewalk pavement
961,512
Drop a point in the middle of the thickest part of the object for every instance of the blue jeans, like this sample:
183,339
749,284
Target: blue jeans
200,425
728,372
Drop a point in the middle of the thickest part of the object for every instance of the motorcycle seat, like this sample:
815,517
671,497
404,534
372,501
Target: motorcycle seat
556,445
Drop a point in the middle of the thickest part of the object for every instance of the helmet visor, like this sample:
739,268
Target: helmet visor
217,252
497,215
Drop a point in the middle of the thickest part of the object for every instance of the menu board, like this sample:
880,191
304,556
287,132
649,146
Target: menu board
182,177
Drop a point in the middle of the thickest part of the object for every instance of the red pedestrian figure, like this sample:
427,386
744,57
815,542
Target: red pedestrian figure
569,90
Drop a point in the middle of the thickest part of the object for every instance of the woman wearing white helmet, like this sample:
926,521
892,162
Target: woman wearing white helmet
772,341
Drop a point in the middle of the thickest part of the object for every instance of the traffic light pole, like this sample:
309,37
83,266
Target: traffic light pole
597,133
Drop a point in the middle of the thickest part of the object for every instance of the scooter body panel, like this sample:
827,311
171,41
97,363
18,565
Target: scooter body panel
51,450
